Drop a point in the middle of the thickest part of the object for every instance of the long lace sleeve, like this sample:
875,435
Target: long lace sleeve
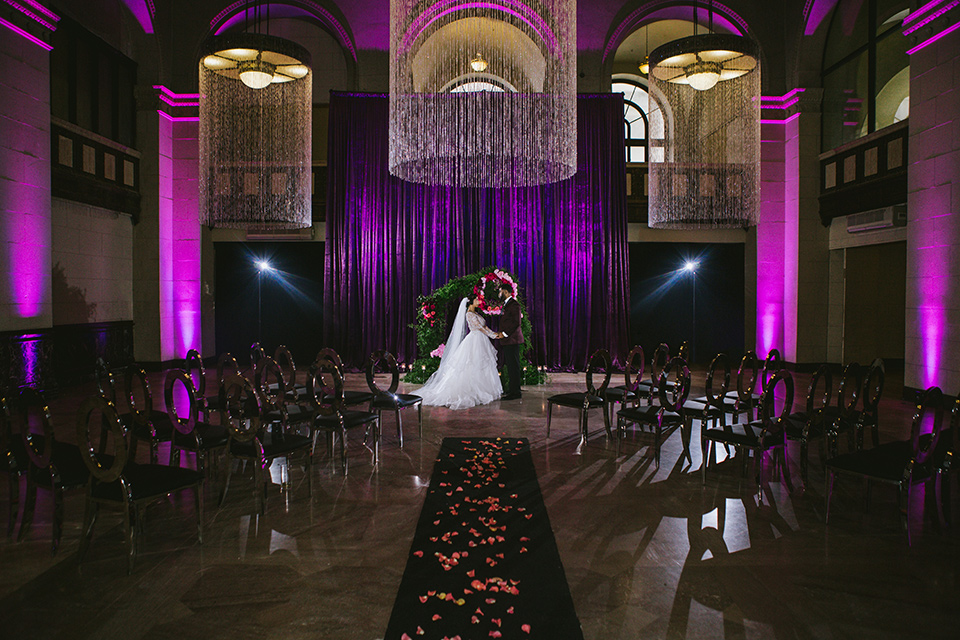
476,323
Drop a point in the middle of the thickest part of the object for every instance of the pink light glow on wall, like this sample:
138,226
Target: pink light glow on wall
26,233
179,238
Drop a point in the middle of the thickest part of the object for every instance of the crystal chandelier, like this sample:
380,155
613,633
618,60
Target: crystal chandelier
256,104
708,88
505,118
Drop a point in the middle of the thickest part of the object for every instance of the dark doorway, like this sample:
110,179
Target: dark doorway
290,301
662,297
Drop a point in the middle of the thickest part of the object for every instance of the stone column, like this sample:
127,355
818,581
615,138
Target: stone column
25,201
792,255
167,238
932,349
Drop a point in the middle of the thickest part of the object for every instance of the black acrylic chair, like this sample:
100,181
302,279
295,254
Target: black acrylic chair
648,390
278,405
709,408
295,391
143,421
388,399
325,388
843,417
766,434
901,464
584,401
632,377
771,364
226,366
947,466
13,462
869,414
351,397
743,399
810,423
257,440
666,417
193,366
190,433
54,465
256,354
115,480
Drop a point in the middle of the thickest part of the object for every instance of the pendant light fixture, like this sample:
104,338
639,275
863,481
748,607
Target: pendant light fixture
256,105
709,176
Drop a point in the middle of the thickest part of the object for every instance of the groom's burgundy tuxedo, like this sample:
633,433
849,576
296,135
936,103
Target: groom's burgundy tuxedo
510,325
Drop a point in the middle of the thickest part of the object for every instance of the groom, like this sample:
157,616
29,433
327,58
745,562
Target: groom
511,337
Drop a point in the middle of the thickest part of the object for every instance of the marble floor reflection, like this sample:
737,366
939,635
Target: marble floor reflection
648,553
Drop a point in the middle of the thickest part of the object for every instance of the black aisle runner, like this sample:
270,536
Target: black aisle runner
484,563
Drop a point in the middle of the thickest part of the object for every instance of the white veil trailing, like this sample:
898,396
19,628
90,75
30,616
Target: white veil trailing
467,375
457,332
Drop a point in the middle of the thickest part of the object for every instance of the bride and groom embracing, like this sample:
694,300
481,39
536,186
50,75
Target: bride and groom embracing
467,375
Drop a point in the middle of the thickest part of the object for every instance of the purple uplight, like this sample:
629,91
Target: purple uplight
29,36
531,17
28,238
933,39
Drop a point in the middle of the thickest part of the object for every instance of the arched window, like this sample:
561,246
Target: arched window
866,70
643,122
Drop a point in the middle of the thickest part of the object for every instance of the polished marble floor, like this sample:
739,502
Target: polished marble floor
648,553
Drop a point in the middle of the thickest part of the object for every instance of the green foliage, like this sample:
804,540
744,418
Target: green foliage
432,330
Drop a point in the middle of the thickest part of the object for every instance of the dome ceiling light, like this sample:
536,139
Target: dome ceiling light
265,61
703,61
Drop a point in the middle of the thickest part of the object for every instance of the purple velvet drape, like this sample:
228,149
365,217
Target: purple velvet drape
389,241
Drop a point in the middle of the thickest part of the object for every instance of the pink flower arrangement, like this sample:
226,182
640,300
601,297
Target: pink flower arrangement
438,352
495,278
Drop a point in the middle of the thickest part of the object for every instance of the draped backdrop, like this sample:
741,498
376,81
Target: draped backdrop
389,241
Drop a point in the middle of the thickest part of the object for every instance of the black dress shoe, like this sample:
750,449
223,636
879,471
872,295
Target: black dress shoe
510,396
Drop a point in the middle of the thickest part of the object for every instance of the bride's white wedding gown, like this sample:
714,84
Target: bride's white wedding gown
468,376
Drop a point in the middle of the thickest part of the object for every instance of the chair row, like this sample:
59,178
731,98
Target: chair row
663,406
259,420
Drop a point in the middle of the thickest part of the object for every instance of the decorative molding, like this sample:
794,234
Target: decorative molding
929,23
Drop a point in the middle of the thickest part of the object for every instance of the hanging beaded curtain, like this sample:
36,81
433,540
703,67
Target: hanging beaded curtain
255,143
483,94
709,176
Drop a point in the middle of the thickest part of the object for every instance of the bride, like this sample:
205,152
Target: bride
467,375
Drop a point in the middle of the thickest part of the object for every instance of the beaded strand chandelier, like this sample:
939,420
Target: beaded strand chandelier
256,105
483,94
708,88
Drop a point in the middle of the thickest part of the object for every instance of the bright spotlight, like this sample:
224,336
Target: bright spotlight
691,266
263,265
